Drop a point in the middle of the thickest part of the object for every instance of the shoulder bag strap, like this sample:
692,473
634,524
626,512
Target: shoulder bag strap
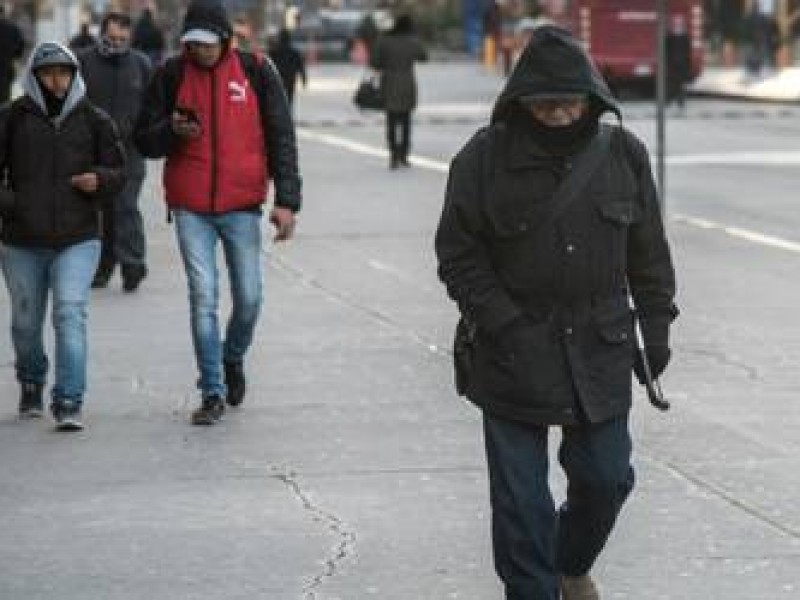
585,165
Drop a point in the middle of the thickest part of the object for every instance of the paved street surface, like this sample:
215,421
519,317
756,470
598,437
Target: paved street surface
353,471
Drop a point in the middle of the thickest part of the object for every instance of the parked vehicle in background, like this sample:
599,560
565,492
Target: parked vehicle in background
330,34
620,34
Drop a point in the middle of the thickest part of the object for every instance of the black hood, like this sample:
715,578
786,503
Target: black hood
209,15
554,62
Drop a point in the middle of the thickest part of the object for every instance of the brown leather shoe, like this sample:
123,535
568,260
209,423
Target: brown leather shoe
578,588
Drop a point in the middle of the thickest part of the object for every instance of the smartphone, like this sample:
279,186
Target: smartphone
189,113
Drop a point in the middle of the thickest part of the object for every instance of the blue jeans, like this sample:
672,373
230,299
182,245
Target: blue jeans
240,234
31,273
533,542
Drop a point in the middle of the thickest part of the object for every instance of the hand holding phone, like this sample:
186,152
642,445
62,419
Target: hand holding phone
185,122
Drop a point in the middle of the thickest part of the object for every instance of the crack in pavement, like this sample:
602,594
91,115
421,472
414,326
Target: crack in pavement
752,373
334,524
345,300
722,494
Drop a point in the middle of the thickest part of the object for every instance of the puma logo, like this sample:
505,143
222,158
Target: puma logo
238,92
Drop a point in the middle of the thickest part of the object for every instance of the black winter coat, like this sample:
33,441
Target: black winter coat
547,306
117,85
42,208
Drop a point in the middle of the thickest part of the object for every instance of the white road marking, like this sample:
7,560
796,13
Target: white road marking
767,158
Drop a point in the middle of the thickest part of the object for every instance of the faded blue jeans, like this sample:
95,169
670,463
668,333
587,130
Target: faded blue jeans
30,274
240,235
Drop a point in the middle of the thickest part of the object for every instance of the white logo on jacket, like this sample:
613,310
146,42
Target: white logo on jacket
238,91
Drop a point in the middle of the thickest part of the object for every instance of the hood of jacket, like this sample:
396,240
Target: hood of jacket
53,53
554,62
209,15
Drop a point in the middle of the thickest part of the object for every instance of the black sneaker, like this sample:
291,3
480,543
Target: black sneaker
31,404
132,276
67,414
235,382
211,410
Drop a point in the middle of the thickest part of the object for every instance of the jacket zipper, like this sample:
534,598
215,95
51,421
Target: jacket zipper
213,141
54,205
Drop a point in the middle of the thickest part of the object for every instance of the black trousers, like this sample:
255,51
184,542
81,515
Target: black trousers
533,542
123,235
398,134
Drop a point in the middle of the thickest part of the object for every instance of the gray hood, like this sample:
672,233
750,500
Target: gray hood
52,53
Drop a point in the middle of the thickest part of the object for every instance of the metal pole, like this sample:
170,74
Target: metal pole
661,100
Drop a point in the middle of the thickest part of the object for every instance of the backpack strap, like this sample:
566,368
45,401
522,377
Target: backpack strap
253,65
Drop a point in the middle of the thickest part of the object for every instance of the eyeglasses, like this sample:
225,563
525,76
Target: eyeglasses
553,104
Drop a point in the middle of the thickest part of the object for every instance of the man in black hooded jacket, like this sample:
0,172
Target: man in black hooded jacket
544,284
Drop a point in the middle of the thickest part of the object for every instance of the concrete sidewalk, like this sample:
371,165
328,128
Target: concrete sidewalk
769,85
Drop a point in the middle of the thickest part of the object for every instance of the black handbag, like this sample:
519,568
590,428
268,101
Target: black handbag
368,95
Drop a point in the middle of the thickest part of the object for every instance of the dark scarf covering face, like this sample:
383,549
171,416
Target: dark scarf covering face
53,103
565,140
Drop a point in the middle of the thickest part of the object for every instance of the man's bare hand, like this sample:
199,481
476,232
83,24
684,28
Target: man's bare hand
283,219
184,126
88,183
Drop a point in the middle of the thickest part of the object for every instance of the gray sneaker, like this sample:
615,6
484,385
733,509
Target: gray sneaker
67,414
579,588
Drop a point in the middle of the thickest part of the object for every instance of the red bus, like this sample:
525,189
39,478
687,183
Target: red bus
620,34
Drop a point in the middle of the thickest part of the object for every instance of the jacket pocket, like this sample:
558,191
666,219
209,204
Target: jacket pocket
610,351
617,215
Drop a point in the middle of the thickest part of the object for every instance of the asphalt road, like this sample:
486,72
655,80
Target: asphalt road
353,471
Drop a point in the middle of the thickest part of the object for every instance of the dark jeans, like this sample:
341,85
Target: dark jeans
123,228
533,542
398,134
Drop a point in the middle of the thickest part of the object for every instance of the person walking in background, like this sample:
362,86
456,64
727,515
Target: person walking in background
394,57
679,61
116,77
12,46
550,222
289,62
83,39
61,157
221,119
148,37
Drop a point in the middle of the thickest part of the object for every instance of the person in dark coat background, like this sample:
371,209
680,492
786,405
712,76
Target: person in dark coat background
83,39
148,37
289,63
547,330
679,61
116,78
12,46
394,57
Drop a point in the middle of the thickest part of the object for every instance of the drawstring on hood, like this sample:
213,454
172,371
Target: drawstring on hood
46,54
